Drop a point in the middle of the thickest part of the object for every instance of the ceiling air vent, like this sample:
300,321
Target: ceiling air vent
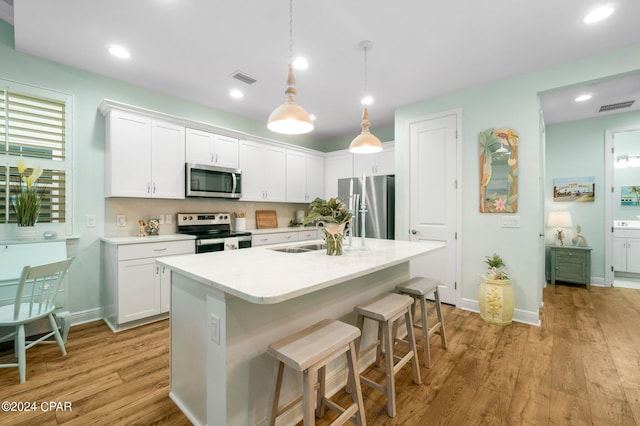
605,108
239,75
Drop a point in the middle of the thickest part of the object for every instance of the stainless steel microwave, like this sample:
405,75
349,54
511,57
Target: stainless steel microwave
204,180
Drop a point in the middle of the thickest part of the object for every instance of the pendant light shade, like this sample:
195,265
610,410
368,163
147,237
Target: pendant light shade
365,142
290,118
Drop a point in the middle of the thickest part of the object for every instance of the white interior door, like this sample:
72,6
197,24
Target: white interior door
434,198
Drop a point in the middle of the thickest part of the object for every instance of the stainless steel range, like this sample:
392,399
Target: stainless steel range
213,231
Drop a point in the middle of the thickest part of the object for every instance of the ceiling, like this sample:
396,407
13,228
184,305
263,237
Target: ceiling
191,48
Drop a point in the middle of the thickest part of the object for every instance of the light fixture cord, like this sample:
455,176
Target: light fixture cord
365,71
290,31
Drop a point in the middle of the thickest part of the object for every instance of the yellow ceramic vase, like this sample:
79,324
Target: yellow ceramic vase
495,298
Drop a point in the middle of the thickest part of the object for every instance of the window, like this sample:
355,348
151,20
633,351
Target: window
34,128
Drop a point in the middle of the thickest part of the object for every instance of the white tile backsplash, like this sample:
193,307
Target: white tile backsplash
144,208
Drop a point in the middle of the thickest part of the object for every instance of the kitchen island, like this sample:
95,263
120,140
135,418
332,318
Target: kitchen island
227,307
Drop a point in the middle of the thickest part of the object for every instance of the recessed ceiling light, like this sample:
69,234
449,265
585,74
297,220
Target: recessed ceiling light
300,63
583,98
598,14
313,117
235,93
367,100
119,52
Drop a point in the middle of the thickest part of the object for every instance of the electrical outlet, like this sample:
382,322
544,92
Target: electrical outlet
91,221
121,220
214,328
168,219
161,219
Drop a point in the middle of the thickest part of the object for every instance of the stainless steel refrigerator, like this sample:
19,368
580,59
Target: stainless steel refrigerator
380,204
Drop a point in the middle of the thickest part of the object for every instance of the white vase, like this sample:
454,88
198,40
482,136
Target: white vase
240,224
25,233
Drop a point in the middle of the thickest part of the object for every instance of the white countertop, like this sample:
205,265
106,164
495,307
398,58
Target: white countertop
282,229
147,239
263,276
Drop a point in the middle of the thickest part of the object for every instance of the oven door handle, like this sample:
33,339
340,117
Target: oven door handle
209,242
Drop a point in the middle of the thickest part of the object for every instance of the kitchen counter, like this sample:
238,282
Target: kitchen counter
227,307
275,276
147,239
281,229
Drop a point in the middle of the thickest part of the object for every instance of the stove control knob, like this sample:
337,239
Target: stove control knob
184,218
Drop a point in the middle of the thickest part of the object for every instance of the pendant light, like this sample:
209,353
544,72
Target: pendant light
290,118
365,142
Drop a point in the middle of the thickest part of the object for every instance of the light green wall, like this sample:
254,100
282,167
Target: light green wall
88,91
508,103
577,149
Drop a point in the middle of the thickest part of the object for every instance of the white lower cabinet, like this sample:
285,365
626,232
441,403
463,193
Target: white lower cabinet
626,254
136,289
283,235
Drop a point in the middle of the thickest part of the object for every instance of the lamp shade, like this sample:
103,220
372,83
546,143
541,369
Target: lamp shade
559,219
365,142
290,118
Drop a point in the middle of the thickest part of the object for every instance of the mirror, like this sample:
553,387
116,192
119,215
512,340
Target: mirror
626,176
498,171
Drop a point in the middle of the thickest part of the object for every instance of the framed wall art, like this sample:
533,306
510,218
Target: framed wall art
498,171
575,189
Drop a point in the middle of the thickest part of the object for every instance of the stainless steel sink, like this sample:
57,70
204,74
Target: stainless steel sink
300,249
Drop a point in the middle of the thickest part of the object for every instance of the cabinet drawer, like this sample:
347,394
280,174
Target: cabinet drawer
144,250
311,234
577,256
275,238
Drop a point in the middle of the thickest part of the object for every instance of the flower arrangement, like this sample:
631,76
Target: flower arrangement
25,199
332,216
331,211
496,268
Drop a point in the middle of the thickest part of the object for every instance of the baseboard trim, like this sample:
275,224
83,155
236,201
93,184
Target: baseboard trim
89,315
519,315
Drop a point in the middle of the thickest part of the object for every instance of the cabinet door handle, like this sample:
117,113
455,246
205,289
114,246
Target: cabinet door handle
154,187
160,249
148,188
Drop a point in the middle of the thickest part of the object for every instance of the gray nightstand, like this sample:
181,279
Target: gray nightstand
571,264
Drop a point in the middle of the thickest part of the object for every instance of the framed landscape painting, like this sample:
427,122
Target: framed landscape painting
580,189
630,195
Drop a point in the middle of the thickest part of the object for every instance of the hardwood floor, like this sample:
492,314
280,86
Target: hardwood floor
581,367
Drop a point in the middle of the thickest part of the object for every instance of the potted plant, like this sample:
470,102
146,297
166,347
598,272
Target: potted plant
25,199
332,217
495,296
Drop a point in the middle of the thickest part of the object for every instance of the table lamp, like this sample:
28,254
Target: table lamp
559,220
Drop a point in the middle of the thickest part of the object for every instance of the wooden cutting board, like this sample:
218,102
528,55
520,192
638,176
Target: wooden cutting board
266,219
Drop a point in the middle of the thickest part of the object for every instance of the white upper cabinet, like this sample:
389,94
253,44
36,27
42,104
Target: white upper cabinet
144,157
315,177
381,163
305,176
263,171
208,148
337,165
167,160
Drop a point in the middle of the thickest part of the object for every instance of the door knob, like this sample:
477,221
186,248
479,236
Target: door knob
414,232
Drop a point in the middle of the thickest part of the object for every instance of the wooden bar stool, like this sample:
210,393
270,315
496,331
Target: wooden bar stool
309,351
386,309
419,288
